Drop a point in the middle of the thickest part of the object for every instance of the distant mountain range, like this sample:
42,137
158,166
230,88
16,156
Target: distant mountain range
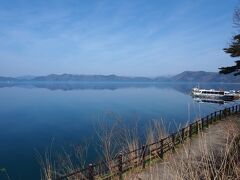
90,78
202,76
186,76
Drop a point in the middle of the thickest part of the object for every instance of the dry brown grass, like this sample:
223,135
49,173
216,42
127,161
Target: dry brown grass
213,154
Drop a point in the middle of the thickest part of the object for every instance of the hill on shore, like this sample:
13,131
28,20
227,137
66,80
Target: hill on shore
202,76
186,76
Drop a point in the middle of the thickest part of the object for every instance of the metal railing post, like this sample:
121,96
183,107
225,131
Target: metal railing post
207,121
173,142
182,135
224,112
197,124
120,166
190,130
161,150
202,123
143,155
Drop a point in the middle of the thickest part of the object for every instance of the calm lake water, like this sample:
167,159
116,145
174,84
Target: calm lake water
32,116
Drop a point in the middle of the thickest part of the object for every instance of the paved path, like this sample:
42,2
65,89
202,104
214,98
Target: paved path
192,153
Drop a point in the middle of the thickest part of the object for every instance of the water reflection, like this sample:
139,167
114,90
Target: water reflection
68,86
33,114
209,100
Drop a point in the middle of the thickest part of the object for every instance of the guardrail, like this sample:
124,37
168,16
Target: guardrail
139,157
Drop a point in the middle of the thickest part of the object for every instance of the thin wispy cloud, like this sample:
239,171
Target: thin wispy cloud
114,37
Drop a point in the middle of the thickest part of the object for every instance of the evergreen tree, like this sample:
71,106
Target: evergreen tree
233,49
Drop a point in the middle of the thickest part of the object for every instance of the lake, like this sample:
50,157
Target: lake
35,115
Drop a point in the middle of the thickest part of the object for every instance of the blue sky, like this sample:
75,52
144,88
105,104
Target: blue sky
133,37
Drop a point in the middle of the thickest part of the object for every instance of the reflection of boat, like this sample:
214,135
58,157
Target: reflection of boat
205,100
214,94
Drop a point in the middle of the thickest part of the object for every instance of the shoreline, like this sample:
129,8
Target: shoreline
142,157
213,140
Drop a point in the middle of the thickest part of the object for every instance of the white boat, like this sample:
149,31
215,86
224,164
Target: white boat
212,93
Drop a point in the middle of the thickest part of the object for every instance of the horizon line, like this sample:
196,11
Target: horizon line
19,76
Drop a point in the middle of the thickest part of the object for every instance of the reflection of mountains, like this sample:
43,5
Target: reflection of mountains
98,86
81,86
67,86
